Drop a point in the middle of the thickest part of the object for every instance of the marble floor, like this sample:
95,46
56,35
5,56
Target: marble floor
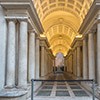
61,90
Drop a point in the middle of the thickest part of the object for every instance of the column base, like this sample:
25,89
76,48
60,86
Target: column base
23,87
9,87
13,94
79,78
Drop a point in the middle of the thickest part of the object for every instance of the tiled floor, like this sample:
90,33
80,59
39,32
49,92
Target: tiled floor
61,89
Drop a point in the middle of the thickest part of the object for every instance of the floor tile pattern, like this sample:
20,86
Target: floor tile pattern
60,89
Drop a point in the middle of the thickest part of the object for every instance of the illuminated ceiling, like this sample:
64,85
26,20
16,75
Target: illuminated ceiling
61,20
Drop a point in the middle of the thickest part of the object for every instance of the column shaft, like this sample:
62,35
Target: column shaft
45,65
78,62
37,58
42,61
85,69
31,56
74,63
23,42
98,53
11,54
91,56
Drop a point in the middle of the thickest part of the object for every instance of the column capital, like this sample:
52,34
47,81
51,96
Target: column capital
15,18
23,19
33,31
98,16
38,38
84,36
11,19
92,31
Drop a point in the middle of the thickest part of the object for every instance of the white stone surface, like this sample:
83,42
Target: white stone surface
13,94
85,69
23,42
45,62
42,61
98,53
11,54
91,59
78,62
32,66
3,38
74,63
37,59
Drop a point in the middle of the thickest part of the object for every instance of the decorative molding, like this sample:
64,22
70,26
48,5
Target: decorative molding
91,18
23,7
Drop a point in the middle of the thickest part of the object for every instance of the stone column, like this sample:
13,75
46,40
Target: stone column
23,45
53,65
42,60
91,56
71,63
45,59
11,54
48,64
78,62
37,58
32,55
74,62
85,67
98,53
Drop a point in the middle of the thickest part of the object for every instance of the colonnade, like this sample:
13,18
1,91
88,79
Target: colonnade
73,60
68,62
22,53
90,56
25,57
90,30
83,59
34,57
46,59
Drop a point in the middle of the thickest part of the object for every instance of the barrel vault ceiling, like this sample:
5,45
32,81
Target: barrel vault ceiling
61,20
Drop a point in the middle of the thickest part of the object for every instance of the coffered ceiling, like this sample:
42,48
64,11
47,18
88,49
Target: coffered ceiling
61,20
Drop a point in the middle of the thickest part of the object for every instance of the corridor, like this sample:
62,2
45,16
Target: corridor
49,39
61,90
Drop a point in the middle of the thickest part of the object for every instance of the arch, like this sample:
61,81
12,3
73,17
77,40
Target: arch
68,13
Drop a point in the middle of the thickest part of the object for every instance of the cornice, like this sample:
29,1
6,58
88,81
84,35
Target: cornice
76,41
24,5
45,40
91,18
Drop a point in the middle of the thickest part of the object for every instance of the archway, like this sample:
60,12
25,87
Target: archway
59,62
